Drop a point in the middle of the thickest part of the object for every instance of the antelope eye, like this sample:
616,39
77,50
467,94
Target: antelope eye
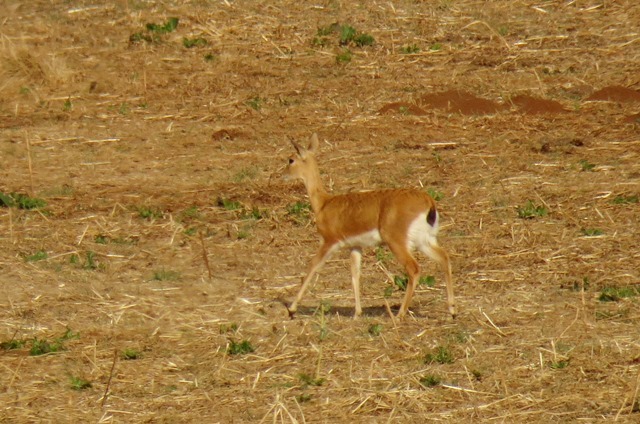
291,161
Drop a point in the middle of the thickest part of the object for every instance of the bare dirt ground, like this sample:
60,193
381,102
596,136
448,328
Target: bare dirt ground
155,148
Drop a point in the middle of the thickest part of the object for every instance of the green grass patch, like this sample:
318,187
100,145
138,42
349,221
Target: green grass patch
344,35
427,280
229,205
299,209
328,30
12,344
149,212
169,26
344,57
585,165
255,213
255,103
21,201
615,294
67,106
130,354
304,397
124,109
362,40
383,255
240,348
530,210
591,232
410,49
191,212
101,239
153,32
401,281
40,255
165,275
90,262
79,383
435,194
577,286
347,34
625,200
194,42
299,212
87,261
430,380
388,292
44,346
440,355
375,330
309,380
558,365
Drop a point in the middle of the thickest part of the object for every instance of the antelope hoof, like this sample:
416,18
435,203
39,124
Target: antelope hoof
453,313
292,312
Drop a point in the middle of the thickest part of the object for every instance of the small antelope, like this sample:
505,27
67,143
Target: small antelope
403,219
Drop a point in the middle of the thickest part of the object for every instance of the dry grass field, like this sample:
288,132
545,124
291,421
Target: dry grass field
151,285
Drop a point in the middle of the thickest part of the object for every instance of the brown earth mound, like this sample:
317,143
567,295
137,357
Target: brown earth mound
461,102
615,93
535,106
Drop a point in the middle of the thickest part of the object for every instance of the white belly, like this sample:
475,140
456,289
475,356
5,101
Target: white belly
369,239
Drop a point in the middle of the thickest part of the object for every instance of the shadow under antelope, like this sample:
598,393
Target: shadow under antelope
403,219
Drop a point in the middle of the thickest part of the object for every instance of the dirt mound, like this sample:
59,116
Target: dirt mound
615,93
403,108
461,102
534,106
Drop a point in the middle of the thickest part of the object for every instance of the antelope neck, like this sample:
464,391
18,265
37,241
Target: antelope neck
317,193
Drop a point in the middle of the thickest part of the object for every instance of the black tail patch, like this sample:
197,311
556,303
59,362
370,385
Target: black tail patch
432,216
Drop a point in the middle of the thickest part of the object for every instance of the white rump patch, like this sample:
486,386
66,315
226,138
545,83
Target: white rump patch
421,234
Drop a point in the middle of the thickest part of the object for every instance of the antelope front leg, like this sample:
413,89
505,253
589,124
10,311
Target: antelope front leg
316,263
356,259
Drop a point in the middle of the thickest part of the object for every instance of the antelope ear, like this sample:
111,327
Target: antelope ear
299,149
313,143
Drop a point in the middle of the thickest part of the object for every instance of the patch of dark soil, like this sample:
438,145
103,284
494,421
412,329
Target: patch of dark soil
616,93
461,102
534,106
